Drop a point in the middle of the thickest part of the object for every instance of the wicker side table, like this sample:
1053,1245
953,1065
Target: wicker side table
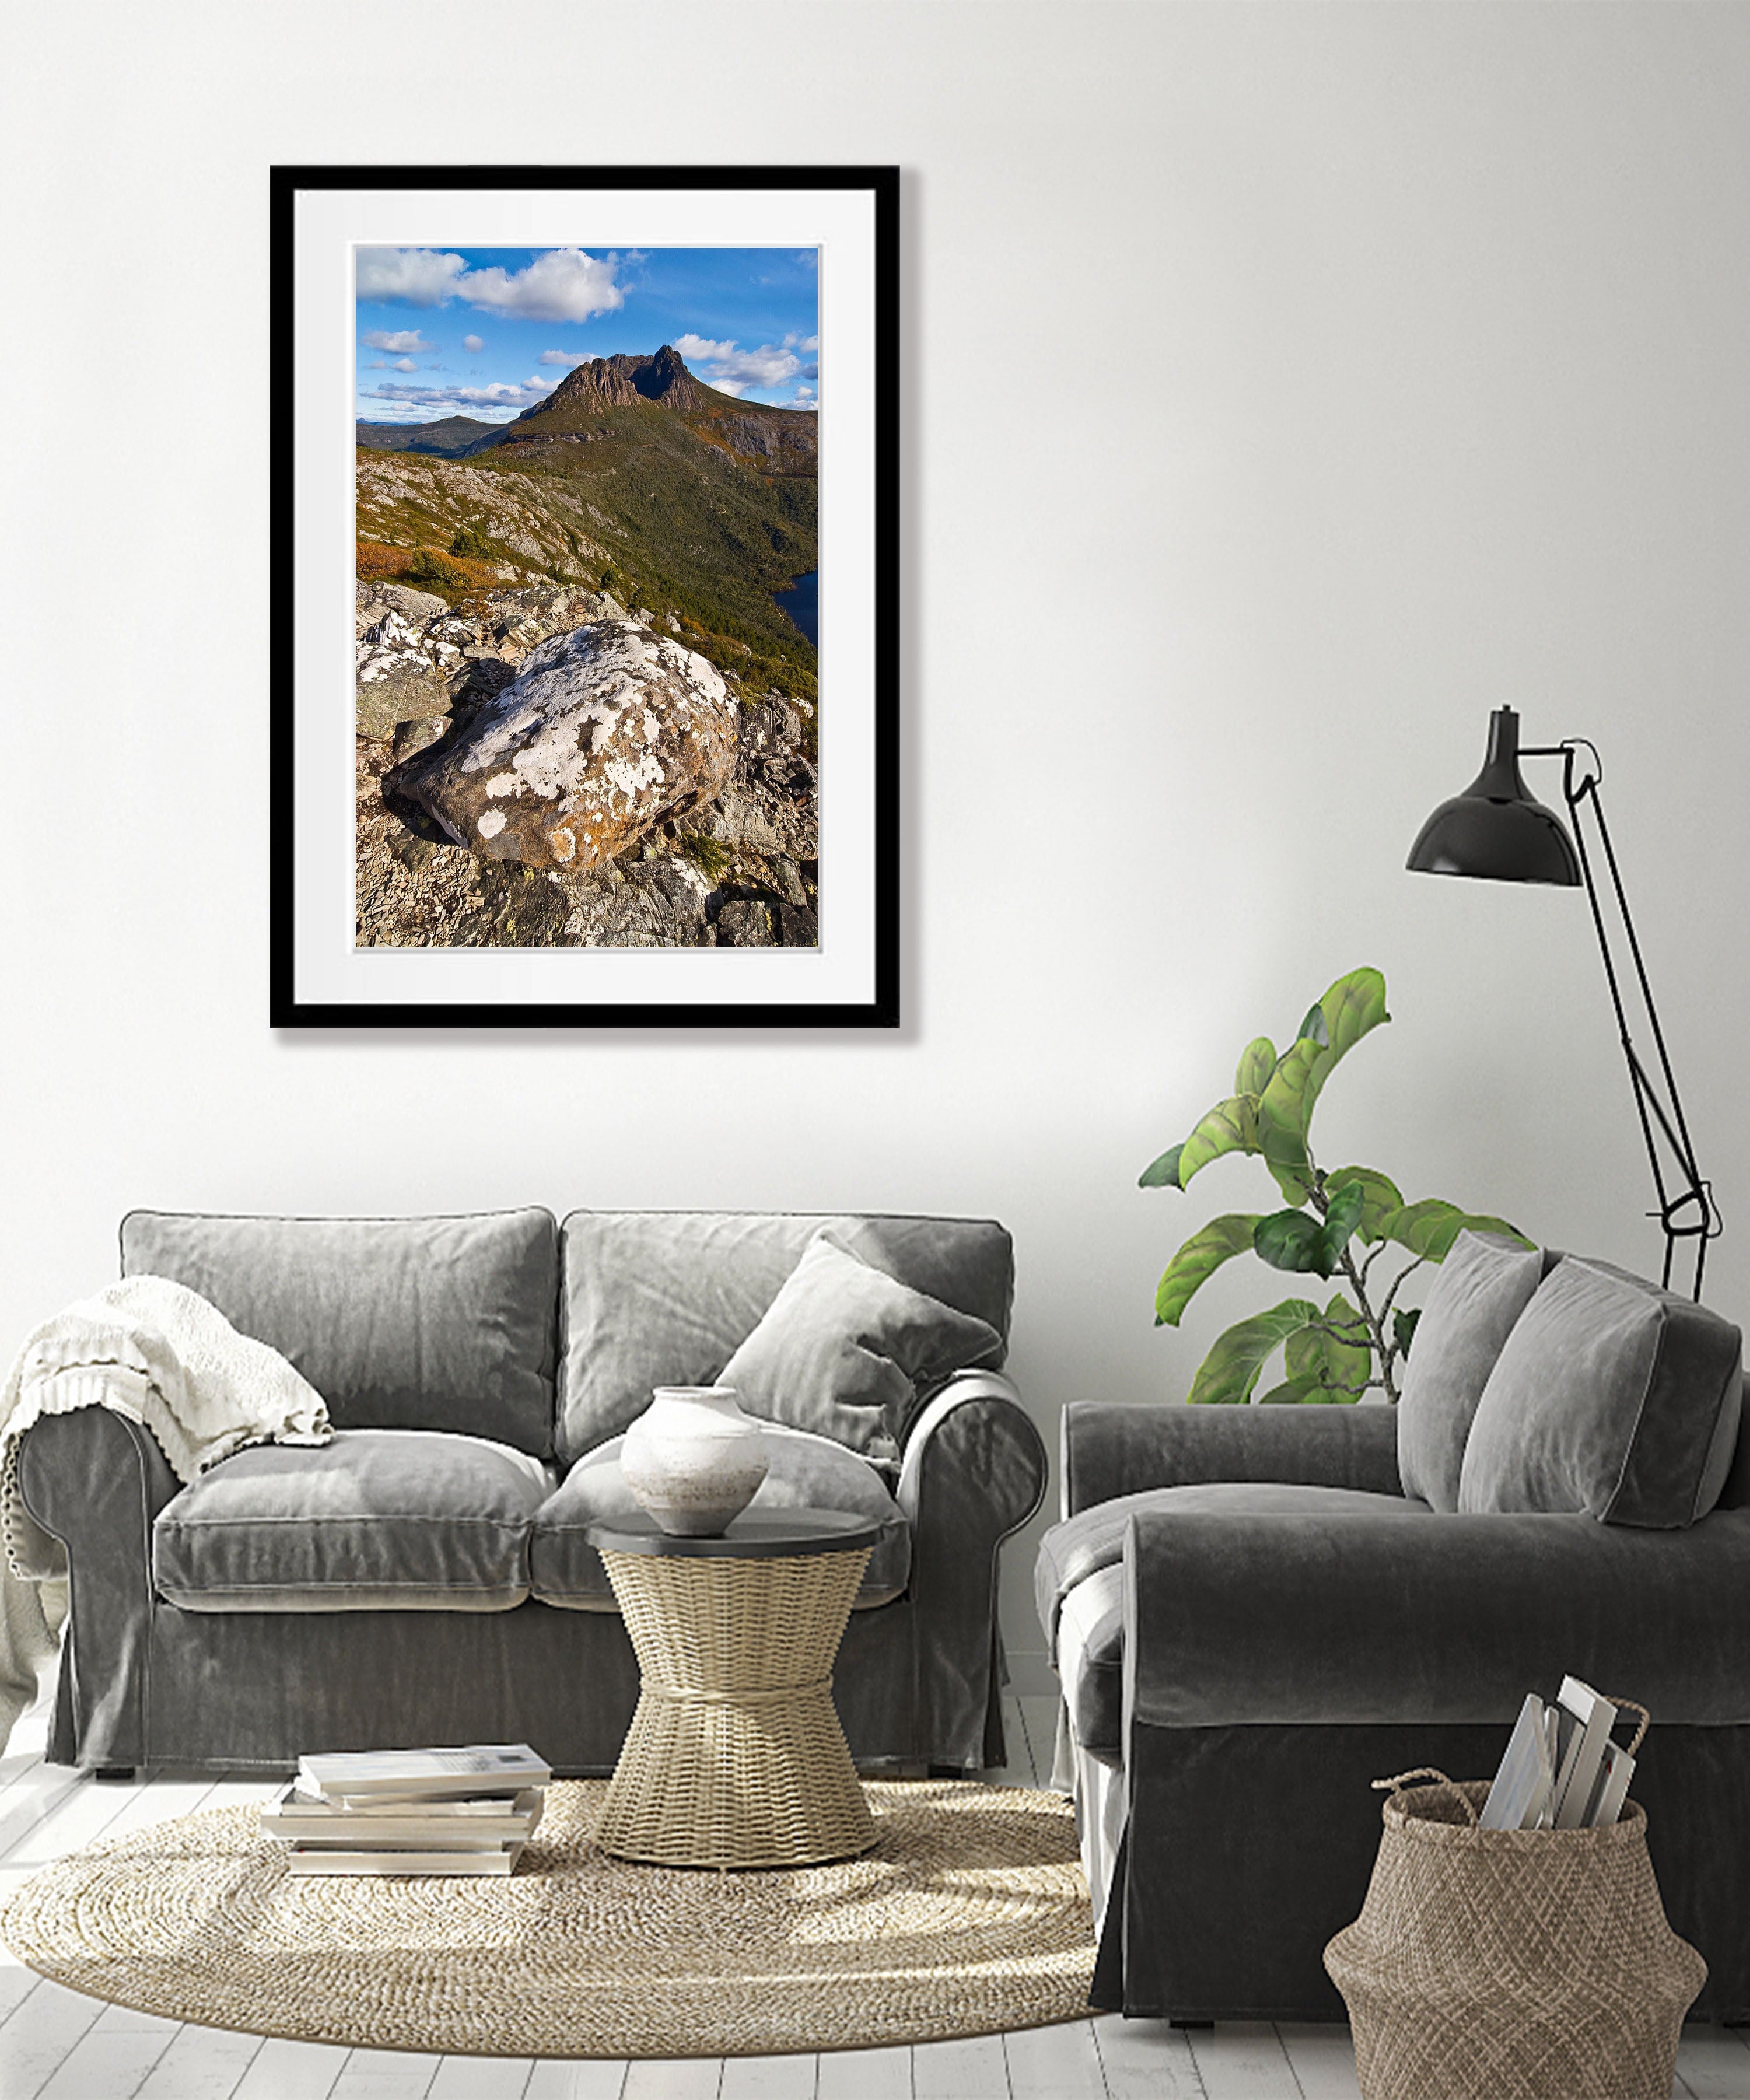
735,1757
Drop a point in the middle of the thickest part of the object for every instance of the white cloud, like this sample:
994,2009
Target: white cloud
405,364
396,341
733,370
421,277
500,397
473,342
569,358
561,284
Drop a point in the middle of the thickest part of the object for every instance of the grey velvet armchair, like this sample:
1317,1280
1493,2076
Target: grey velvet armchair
1253,1621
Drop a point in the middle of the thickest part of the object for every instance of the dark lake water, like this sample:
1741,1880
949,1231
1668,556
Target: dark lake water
802,602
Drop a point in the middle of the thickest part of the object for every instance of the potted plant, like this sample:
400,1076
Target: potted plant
1338,1224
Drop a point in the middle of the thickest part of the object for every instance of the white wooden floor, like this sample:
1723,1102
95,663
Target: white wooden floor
55,2045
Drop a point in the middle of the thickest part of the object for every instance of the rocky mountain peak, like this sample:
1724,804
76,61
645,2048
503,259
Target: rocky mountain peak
623,381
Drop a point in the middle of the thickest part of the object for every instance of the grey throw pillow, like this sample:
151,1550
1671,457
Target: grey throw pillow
1611,1397
1484,1284
843,1347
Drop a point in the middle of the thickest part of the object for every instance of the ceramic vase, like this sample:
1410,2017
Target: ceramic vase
694,1460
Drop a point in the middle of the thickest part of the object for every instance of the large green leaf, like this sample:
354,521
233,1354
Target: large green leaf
1341,1215
1197,1260
1380,1198
1258,1060
1228,1374
1292,1392
1282,1126
1429,1227
1354,1007
1162,1173
1305,1245
1231,1125
1335,1355
1291,1239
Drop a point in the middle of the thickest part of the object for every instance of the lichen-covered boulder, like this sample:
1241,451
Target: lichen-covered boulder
399,679
519,621
604,732
372,600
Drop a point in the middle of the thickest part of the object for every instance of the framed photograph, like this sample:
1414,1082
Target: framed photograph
584,550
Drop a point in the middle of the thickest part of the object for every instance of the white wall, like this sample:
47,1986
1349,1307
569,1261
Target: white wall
1286,387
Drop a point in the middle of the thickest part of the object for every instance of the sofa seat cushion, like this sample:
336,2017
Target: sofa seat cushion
1091,1663
1081,1547
379,1519
806,1472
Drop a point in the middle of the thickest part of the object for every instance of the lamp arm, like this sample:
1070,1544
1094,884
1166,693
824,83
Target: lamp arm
1690,1213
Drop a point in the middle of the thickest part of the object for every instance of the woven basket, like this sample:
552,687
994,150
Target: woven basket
1520,1965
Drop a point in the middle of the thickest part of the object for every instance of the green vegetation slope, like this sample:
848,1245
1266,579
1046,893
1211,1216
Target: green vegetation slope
631,476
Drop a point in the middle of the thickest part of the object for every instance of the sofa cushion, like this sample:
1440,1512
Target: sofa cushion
398,1323
653,1298
1091,1663
1082,1545
1611,1397
806,1472
397,1520
1481,1289
842,1350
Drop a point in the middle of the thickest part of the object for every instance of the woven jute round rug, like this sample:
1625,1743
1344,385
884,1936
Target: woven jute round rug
970,1915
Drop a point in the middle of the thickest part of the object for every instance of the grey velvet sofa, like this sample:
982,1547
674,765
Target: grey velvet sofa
1252,1620
424,1578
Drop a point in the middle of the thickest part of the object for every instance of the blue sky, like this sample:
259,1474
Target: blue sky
488,331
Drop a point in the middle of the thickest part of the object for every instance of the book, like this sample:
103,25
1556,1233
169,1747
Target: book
1613,1785
1519,1798
322,1859
473,1770
472,1824
1588,1720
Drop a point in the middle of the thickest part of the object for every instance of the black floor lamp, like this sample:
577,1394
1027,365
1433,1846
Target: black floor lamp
1497,829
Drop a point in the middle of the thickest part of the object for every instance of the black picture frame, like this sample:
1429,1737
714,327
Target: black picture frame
318,978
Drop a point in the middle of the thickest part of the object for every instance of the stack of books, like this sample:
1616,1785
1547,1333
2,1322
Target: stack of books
1560,1771
446,1811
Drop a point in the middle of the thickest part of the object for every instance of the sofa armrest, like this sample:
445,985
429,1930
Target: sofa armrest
95,1480
1111,1449
974,1470
1289,1620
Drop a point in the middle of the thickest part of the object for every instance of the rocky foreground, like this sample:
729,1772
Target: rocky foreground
549,770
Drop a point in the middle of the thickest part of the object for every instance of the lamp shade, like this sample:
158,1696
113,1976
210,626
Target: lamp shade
1497,829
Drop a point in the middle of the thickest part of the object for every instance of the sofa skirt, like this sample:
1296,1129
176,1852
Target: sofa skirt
256,1690
1246,1849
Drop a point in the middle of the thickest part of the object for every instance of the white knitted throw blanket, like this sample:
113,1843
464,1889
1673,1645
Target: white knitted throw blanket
159,1354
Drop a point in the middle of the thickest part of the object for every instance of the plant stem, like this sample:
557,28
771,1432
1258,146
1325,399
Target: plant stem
1385,1355
1385,1310
1376,1329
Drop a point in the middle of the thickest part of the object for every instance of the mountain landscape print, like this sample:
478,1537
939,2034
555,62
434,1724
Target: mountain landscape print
585,589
